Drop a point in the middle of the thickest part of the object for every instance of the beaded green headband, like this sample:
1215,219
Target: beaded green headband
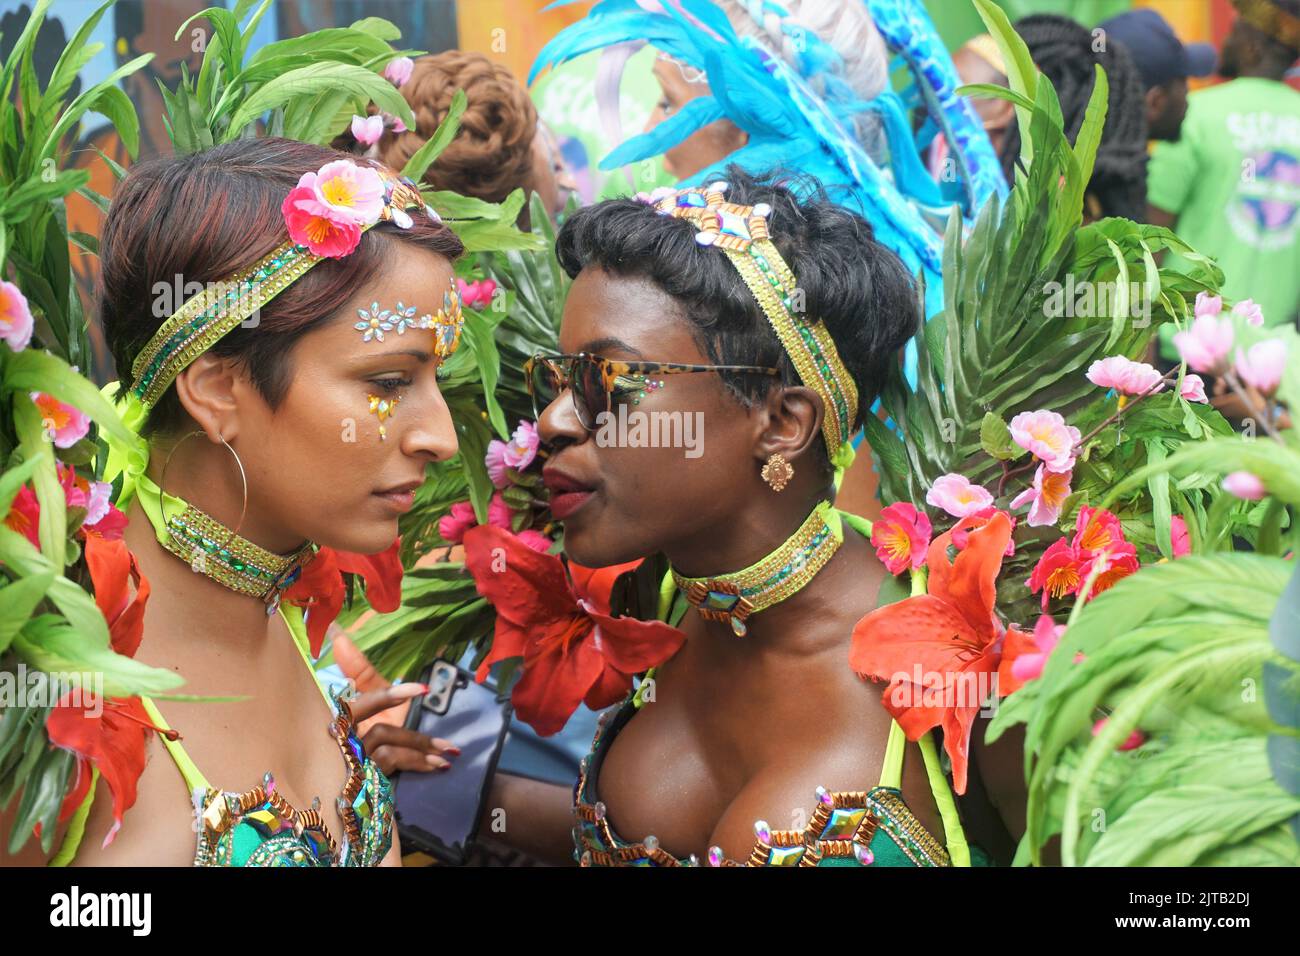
741,232
326,213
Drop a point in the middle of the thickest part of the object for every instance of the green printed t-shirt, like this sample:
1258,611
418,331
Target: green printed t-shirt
1233,180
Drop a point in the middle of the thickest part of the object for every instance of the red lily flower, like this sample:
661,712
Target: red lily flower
321,590
573,650
110,737
937,645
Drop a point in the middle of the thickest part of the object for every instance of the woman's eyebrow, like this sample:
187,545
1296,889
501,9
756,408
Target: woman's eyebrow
609,342
423,355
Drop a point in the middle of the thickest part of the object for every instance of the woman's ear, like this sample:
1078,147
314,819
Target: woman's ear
793,419
210,390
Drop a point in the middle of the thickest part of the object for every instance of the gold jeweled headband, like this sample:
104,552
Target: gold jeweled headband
321,225
741,232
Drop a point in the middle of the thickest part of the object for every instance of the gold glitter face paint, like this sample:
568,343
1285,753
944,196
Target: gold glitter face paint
383,408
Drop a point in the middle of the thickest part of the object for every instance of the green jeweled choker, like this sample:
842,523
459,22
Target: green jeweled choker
215,551
771,579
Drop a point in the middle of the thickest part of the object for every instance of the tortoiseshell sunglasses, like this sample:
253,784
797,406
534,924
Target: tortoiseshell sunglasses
595,381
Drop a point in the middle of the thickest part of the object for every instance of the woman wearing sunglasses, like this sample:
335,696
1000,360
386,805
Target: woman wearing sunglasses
773,320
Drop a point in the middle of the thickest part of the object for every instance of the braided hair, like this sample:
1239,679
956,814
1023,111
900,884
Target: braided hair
1063,50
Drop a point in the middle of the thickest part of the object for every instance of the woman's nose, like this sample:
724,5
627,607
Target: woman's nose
431,433
559,423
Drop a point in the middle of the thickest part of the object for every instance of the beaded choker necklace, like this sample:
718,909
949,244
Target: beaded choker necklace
770,580
215,551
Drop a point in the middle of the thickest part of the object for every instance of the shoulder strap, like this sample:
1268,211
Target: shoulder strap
295,621
194,778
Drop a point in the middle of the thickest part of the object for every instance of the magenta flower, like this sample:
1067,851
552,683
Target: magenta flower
398,71
1206,344
315,225
1261,367
1047,634
367,129
1045,497
1134,740
901,536
15,317
522,448
499,513
1193,388
394,123
495,459
955,494
477,294
1245,485
1124,375
535,540
452,526
1047,436
63,424
1180,537
1248,310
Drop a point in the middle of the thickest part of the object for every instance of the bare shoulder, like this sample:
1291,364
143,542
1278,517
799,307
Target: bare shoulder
158,829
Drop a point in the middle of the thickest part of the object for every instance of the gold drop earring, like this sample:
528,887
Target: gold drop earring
383,408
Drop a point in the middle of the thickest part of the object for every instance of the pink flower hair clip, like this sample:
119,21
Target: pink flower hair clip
329,209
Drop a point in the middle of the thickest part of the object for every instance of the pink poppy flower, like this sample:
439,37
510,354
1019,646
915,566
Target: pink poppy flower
1057,572
1045,497
1096,529
495,460
15,317
398,71
1262,366
477,294
1244,485
367,129
1206,344
1193,388
1180,537
348,189
1249,311
453,525
1124,375
1046,435
63,424
315,225
955,494
522,447
901,536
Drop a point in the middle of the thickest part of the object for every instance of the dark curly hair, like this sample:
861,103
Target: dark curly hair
1063,50
852,283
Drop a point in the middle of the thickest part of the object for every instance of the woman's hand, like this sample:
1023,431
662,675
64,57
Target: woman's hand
380,711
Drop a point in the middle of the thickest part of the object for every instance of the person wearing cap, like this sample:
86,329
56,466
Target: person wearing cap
1230,186
1165,64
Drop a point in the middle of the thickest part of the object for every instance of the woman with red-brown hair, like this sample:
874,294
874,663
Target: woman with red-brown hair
278,313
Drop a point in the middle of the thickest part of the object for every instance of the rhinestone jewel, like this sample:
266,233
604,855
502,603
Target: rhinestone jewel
715,856
864,855
692,860
762,831
824,797
600,809
651,843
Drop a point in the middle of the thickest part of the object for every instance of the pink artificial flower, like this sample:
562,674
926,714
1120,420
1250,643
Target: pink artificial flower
1111,564
15,317
901,536
523,445
453,525
1207,304
1047,634
97,502
25,515
315,225
1134,740
62,423
495,459
398,71
1244,485
1045,497
1057,572
499,513
348,189
1180,537
394,123
367,129
535,540
1206,344
1096,529
1193,388
955,494
1248,310
1261,367
1047,436
1124,375
477,294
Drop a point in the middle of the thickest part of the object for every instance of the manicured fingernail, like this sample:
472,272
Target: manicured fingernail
454,751
435,761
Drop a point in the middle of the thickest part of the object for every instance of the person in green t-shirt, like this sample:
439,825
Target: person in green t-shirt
1230,185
